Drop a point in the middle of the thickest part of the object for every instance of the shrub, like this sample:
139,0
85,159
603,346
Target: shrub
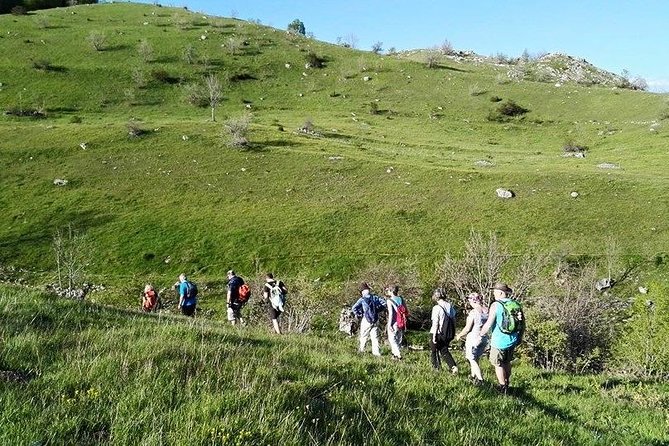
135,130
76,119
574,324
237,130
377,47
189,54
643,350
43,65
145,50
297,27
495,99
314,60
446,48
196,95
432,58
97,40
139,77
505,111
374,108
163,76
572,147
476,90
19,10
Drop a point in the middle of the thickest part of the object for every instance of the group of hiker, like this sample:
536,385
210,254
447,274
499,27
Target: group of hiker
498,328
237,295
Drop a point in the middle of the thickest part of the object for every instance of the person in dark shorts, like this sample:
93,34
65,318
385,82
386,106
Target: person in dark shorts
234,304
274,293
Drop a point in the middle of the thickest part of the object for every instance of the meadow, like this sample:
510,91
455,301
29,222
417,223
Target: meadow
372,162
79,373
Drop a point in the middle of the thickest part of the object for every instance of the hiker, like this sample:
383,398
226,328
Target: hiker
187,295
442,331
368,308
504,339
348,321
475,343
274,293
149,299
397,320
238,294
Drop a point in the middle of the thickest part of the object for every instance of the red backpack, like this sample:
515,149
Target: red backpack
244,293
401,315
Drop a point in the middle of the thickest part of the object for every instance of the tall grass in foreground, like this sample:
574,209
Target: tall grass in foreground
76,373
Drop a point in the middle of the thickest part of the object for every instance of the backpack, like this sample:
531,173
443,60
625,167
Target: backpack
244,293
191,291
372,307
513,319
401,314
448,330
276,296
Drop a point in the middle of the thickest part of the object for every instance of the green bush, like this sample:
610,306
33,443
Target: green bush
643,344
314,60
505,111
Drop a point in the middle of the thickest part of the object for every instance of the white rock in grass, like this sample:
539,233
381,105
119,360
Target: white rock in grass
574,194
185,137
59,182
83,145
643,290
608,166
504,193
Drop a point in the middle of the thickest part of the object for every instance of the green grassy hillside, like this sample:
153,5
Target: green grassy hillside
77,373
401,183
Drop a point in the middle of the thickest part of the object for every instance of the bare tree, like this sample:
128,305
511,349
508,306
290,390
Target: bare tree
237,130
377,47
97,40
215,93
351,41
72,257
432,58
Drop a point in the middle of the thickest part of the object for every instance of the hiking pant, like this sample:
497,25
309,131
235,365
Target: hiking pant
369,330
395,340
439,350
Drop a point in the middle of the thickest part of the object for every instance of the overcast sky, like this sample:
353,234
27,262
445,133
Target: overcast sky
615,35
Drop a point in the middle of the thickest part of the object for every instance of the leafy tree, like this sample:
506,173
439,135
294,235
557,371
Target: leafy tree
297,27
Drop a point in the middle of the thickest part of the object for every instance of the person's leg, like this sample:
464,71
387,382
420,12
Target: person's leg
374,333
393,336
476,369
446,353
434,354
274,318
507,373
365,328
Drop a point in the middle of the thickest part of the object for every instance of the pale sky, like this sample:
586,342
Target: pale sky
614,35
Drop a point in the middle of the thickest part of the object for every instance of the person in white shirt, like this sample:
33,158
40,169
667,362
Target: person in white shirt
475,344
442,331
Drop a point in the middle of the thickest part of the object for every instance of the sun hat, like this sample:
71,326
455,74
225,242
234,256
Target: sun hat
501,286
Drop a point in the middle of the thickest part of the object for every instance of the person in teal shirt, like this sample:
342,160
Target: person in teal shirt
502,344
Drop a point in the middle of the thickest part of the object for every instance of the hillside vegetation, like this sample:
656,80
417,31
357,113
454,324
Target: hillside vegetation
78,373
408,177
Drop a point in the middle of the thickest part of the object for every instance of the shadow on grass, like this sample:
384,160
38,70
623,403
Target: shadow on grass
446,67
119,47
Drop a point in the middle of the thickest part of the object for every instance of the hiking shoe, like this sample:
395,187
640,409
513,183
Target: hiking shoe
503,389
454,370
477,382
397,358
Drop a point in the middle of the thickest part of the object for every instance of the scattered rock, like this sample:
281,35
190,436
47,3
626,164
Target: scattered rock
203,37
574,154
504,193
185,138
643,290
336,158
83,145
60,182
604,284
366,78
390,169
287,65
483,163
574,194
608,166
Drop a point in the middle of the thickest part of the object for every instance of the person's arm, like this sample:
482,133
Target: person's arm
229,298
265,292
468,326
182,293
356,306
492,314
435,322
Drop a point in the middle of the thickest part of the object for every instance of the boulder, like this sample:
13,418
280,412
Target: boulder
504,193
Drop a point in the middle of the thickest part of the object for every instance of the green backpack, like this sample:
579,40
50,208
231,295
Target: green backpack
513,319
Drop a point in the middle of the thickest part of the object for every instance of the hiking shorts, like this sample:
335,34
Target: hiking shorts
473,351
273,312
500,357
234,311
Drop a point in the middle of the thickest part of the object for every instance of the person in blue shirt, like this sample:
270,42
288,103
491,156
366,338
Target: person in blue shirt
187,295
368,307
502,345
